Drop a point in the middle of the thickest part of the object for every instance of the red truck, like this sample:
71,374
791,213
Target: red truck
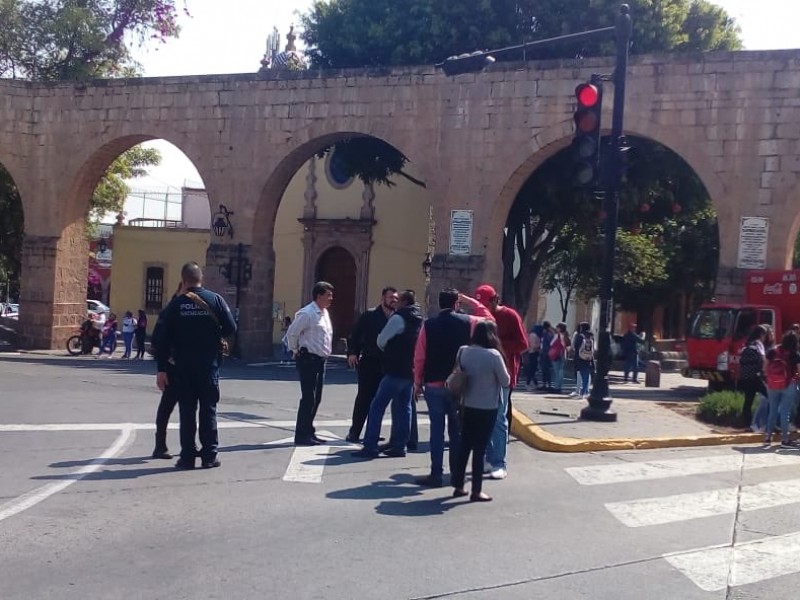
719,331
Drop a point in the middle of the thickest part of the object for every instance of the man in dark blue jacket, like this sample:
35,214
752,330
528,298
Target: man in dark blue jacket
193,324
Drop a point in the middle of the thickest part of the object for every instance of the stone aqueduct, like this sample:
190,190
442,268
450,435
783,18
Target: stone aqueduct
734,117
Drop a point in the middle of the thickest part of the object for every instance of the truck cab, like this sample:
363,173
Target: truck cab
717,335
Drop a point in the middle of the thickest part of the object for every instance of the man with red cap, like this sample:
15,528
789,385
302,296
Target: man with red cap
514,341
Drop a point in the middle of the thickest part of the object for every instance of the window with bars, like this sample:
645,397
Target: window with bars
154,288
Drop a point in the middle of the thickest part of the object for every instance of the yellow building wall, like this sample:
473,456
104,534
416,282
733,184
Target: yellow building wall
136,249
400,235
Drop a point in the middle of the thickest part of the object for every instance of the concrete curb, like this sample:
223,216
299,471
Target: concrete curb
531,434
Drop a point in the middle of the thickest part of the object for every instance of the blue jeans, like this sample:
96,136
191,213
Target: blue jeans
584,372
440,407
781,403
498,442
558,374
398,391
127,337
631,365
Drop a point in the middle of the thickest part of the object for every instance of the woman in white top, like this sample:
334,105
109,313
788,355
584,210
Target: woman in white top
486,371
128,329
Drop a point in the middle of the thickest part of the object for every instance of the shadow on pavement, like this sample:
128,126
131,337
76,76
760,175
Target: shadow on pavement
133,460
108,475
417,508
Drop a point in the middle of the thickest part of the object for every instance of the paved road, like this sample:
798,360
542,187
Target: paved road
84,513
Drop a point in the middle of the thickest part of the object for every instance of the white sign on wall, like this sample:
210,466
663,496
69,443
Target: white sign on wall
753,238
461,232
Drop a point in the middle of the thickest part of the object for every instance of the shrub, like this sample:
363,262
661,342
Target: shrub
721,408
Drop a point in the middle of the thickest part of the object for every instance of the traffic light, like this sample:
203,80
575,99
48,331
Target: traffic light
586,145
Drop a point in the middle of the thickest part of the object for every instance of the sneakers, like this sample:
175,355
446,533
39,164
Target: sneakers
500,473
573,394
789,445
767,443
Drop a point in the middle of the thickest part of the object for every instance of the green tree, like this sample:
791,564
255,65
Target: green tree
359,33
52,40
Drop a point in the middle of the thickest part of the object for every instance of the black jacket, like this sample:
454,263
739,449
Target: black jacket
444,335
398,356
190,335
363,339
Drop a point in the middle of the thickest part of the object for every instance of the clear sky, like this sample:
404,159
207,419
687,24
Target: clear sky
230,37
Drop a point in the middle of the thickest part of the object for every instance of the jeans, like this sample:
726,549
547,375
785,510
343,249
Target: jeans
760,416
370,373
498,442
631,365
781,403
547,367
398,391
478,425
440,407
311,369
127,337
583,370
558,374
533,367
198,388
751,387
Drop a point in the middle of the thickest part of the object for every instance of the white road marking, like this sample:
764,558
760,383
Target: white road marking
717,567
34,497
223,424
645,512
681,467
308,462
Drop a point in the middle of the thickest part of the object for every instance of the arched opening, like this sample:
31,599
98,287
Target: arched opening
337,267
11,241
327,217
667,243
145,211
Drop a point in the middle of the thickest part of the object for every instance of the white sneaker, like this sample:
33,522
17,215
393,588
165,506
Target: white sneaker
500,473
573,394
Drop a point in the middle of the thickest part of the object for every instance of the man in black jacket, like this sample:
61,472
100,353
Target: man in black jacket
397,340
363,354
193,324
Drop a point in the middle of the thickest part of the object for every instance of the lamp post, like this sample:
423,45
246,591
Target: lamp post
426,271
238,271
599,400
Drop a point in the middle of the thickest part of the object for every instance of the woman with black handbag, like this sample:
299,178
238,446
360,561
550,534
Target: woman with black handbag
486,373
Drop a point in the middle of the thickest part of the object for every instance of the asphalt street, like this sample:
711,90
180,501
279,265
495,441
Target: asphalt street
85,513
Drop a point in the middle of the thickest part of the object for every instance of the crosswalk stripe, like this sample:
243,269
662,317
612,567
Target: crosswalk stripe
645,512
663,469
717,567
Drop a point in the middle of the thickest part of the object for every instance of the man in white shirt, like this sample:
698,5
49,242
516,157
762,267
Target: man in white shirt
309,339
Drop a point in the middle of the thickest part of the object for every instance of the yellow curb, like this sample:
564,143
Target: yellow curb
531,434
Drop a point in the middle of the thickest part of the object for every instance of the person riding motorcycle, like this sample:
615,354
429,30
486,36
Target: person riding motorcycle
90,335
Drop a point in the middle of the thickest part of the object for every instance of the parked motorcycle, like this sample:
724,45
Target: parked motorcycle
87,338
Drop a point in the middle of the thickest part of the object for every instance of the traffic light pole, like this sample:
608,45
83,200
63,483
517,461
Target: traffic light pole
600,400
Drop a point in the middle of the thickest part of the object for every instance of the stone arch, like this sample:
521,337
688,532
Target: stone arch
305,143
556,138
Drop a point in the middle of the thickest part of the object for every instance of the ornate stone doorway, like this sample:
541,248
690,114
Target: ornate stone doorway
338,267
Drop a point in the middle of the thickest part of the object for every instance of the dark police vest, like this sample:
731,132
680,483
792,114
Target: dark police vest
444,335
398,356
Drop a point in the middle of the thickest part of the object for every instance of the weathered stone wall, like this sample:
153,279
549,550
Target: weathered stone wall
734,117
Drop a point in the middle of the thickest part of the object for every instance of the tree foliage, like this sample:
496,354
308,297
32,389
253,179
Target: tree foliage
54,40
372,160
360,33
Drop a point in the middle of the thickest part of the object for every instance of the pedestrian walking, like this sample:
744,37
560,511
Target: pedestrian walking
487,375
631,342
558,356
534,349
140,334
513,341
364,356
752,363
108,341
583,351
128,330
782,376
397,340
194,324
434,358
310,340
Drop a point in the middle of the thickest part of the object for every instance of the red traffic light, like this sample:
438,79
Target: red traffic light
587,94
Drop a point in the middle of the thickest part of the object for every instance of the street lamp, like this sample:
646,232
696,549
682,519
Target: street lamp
221,222
426,271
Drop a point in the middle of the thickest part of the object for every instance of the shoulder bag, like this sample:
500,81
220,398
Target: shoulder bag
457,380
224,348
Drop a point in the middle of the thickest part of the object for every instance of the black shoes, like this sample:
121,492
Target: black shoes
184,464
210,464
162,453
319,440
429,481
306,442
393,452
364,453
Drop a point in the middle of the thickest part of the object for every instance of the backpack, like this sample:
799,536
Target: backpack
587,349
778,375
751,363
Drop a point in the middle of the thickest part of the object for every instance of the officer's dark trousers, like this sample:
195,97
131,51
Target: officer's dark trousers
198,389
311,369
370,373
169,398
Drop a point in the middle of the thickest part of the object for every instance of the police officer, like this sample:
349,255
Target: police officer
193,324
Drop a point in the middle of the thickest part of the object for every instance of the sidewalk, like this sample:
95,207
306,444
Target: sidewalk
551,421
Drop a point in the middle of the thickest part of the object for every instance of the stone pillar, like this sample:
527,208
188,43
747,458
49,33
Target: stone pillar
461,272
53,294
730,285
